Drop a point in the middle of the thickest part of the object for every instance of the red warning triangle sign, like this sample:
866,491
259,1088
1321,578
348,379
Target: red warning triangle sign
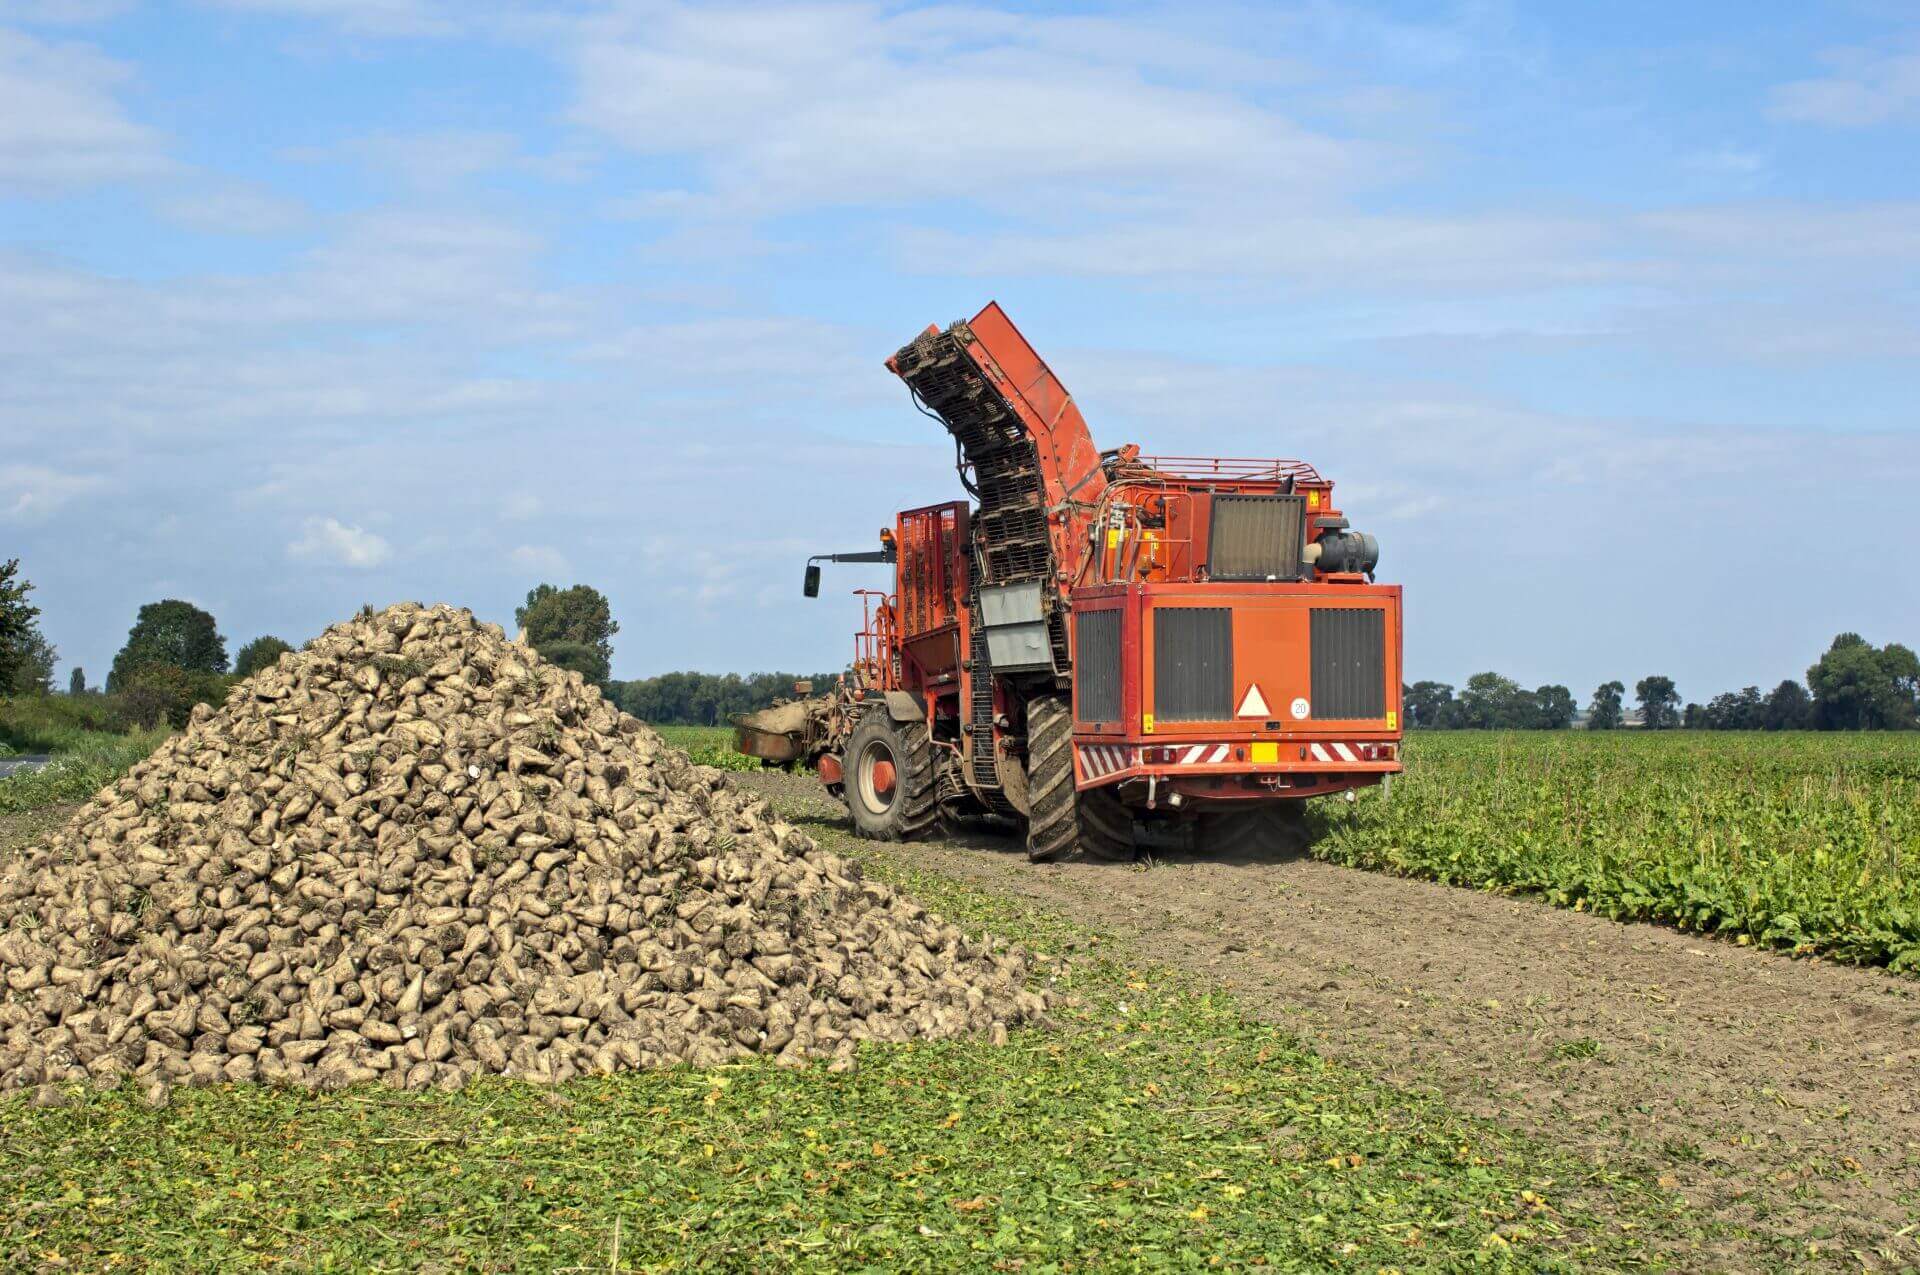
1253,703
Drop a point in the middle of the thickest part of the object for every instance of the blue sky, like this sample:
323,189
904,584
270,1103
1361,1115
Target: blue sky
1605,319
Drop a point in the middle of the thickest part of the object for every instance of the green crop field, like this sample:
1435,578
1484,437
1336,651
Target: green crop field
709,746
1797,841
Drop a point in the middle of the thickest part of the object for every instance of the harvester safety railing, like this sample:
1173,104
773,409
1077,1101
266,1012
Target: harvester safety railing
876,650
1233,469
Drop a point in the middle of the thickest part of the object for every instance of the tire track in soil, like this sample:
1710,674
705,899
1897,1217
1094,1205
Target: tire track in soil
1782,1095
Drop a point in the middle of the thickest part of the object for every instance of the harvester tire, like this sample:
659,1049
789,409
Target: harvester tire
1268,828
889,779
1065,824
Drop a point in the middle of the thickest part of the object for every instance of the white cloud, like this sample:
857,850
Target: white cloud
437,159
34,493
330,542
62,12
1866,88
1735,162
369,17
232,208
541,560
60,125
1485,253
836,104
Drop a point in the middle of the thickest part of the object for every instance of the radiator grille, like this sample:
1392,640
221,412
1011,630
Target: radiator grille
1193,664
1349,664
1096,665
1257,537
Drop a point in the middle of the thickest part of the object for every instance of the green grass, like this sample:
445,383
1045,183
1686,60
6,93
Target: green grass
81,733
1160,1127
1800,841
56,723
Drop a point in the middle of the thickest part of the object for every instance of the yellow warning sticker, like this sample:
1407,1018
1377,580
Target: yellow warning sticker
1113,537
1313,500
1146,723
1393,720
1267,753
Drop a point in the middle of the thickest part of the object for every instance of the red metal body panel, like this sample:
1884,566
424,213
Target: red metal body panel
1271,654
930,579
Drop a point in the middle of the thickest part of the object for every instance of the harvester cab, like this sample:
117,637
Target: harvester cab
1101,645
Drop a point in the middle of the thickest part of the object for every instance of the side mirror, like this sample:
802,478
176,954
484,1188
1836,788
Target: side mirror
812,587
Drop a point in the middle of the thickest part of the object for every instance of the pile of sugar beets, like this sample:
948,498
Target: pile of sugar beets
412,854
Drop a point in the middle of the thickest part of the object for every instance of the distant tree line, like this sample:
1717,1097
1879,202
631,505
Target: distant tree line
1854,686
705,699
1489,702
175,657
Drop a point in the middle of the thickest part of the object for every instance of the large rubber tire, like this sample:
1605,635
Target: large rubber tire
1065,824
900,808
1267,828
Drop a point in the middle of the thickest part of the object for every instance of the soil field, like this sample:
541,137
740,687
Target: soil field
1775,1094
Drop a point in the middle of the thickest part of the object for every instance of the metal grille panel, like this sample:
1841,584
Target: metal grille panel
1193,664
1096,664
1257,537
1349,664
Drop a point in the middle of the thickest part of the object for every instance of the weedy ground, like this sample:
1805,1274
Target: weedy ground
86,757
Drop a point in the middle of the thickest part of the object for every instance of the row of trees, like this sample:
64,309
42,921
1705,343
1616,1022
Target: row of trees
174,658
704,699
1489,702
1854,686
574,628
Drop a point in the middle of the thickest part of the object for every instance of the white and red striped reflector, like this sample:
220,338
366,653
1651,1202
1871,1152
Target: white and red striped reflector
1098,760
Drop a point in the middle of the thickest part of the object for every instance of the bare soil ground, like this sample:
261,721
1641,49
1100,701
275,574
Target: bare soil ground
1783,1095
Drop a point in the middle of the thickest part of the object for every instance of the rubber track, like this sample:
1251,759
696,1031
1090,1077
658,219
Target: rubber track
1270,828
1066,824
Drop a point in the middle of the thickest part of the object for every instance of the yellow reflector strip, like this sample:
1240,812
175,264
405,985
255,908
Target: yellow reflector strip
1267,753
